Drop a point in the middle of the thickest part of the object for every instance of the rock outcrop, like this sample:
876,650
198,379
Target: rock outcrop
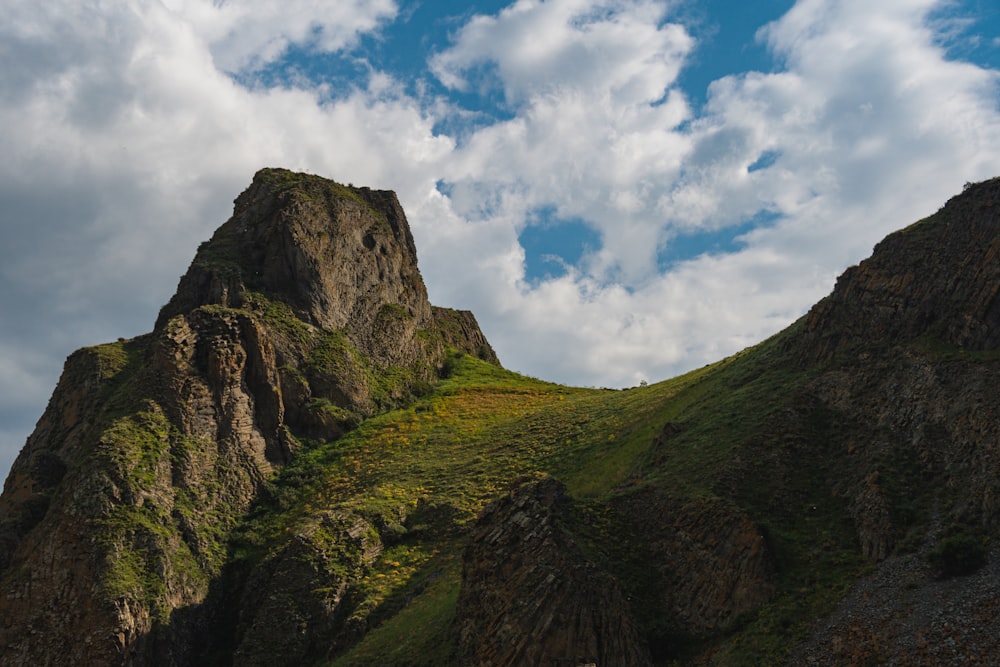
530,597
294,609
707,563
302,316
907,343
335,255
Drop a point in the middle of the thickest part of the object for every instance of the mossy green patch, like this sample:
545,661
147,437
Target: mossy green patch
707,433
134,446
419,634
312,188
280,319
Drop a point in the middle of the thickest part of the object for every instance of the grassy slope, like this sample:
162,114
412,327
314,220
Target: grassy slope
440,460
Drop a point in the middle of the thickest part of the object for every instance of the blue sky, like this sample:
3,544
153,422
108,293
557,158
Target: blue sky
621,190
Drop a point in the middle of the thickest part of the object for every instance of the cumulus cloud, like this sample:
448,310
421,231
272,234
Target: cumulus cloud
245,36
614,48
866,126
595,118
127,132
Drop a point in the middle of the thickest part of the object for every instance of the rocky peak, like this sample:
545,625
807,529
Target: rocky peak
938,278
336,254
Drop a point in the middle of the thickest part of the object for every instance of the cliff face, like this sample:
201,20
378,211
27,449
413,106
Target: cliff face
906,355
938,279
302,316
707,564
530,597
334,254
905,350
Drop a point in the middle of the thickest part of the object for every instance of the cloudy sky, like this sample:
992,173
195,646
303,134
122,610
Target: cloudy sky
621,190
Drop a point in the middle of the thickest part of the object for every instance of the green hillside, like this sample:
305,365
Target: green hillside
423,473
332,471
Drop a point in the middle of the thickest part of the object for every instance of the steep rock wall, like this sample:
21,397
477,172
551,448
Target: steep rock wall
530,597
938,278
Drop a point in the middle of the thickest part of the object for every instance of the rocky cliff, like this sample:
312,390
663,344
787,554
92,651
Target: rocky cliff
938,279
302,316
530,597
906,352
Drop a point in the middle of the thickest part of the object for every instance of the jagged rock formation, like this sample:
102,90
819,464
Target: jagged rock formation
294,608
908,340
304,314
530,597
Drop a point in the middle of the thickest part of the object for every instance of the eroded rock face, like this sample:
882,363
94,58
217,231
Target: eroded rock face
907,349
939,277
900,347
295,607
530,597
333,253
709,563
302,316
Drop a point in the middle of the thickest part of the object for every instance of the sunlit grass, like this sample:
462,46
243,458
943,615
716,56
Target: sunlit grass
425,472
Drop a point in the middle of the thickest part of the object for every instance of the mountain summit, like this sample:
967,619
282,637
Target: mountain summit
307,463
334,254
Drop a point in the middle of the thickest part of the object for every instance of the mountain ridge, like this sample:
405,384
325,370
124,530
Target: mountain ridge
903,292
247,485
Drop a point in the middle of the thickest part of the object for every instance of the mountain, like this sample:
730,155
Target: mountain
302,316
307,463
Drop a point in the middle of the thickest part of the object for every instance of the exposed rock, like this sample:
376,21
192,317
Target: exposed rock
709,563
871,514
335,254
460,330
530,597
900,615
907,349
927,414
309,256
295,608
939,277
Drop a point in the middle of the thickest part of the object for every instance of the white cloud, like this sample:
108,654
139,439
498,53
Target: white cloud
875,127
615,48
595,129
245,36
125,143
870,124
